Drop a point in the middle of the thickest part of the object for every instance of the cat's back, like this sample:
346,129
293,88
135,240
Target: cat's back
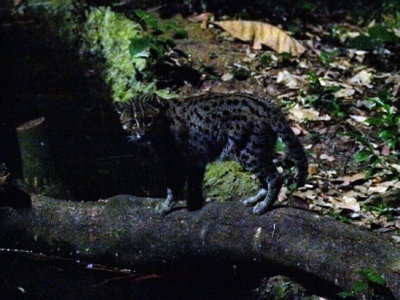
221,107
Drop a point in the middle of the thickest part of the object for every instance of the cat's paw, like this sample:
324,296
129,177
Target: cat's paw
165,207
263,206
251,201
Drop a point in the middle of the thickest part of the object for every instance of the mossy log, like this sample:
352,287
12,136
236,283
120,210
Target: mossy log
39,167
125,231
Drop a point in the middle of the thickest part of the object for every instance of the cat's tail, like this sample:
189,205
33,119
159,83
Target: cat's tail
295,149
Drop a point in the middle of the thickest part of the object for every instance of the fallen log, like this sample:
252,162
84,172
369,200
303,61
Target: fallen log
125,231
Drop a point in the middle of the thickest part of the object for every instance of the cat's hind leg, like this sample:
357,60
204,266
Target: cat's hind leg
257,157
274,182
251,201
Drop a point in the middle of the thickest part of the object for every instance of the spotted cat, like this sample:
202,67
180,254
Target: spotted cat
187,133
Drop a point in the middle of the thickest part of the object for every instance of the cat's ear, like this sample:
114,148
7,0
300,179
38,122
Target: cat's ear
120,107
124,113
157,103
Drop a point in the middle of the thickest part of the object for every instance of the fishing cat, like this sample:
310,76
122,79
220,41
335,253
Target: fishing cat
187,133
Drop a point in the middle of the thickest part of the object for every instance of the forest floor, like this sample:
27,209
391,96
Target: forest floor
343,104
340,101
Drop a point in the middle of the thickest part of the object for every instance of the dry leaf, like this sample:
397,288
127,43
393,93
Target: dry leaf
394,79
347,201
342,64
283,194
3,176
326,157
227,77
297,129
348,35
344,93
385,150
263,34
290,80
362,78
3,180
360,119
312,170
396,167
361,189
359,55
322,202
397,224
299,114
350,201
309,194
391,183
203,18
380,188
353,178
396,239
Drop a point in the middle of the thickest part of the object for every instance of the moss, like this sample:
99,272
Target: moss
104,35
107,35
227,180
282,288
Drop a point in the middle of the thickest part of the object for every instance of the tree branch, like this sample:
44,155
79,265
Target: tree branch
125,231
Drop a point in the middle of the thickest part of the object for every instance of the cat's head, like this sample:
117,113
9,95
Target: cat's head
140,114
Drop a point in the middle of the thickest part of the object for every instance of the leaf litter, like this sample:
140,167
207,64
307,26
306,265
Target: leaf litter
325,91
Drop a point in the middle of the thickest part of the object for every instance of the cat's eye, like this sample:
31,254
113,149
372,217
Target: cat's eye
129,125
147,121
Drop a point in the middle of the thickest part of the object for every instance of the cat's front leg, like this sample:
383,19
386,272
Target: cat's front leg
168,204
175,184
195,199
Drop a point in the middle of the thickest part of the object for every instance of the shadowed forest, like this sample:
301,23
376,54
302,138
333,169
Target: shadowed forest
78,197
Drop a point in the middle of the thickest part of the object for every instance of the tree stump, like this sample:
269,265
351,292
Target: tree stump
38,163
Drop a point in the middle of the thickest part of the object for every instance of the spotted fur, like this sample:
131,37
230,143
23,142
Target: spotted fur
187,133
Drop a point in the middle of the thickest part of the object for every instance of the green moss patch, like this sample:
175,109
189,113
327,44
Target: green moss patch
108,35
225,181
104,37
